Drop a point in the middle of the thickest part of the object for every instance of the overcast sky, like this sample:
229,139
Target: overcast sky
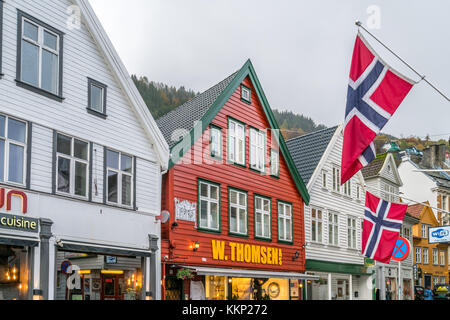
301,50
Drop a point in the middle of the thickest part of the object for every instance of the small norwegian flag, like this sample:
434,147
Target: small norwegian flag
374,94
381,228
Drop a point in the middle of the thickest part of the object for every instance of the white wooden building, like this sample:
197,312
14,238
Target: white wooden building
333,220
80,149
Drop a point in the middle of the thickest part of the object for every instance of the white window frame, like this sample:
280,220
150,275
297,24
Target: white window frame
248,91
233,135
216,142
120,174
352,232
41,46
424,231
324,179
238,208
209,200
333,228
442,257
317,225
8,142
418,252
347,188
336,176
257,150
358,191
274,163
425,256
285,215
435,256
266,217
73,160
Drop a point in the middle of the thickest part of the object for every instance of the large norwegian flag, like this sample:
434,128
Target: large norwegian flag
374,94
381,228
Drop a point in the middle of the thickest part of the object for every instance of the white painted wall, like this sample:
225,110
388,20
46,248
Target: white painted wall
416,185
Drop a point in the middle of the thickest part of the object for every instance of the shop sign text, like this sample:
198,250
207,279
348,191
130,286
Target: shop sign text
8,198
8,221
246,253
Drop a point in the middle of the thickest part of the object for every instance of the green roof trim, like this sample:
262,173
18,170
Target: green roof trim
197,131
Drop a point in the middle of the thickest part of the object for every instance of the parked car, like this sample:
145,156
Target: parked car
418,293
441,292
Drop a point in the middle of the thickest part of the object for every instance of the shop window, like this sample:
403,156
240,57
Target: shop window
216,288
262,217
257,150
13,150
238,212
209,203
72,166
285,222
14,273
119,181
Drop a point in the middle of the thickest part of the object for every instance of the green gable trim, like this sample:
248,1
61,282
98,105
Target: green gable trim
335,267
197,131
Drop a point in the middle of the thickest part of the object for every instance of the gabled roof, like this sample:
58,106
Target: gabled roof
415,210
307,150
196,115
442,179
112,58
374,168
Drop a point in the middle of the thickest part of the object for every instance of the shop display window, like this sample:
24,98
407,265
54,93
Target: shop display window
14,273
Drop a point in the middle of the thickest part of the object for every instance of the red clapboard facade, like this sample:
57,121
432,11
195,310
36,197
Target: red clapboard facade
236,227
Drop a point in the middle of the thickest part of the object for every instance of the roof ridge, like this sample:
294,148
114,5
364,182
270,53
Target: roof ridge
311,133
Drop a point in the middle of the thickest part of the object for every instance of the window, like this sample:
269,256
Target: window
442,257
257,150
13,148
424,229
216,142
444,202
72,166
209,205
324,179
262,217
333,229
418,255
284,221
442,280
246,94
39,56
406,232
336,179
238,212
236,142
96,98
358,192
316,225
119,178
435,256
435,281
274,163
425,255
348,188
351,233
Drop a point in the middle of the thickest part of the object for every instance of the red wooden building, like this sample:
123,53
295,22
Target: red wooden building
235,198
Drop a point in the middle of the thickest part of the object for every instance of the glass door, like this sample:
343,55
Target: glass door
112,287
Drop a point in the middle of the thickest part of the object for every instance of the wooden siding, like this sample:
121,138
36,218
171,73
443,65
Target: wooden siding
181,182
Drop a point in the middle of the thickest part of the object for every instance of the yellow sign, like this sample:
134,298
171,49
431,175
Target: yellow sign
247,253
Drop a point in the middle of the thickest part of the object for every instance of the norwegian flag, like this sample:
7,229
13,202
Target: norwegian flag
374,94
381,228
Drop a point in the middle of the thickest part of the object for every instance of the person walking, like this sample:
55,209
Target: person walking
428,294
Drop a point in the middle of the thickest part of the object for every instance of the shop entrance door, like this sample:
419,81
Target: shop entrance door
112,287
341,290
427,281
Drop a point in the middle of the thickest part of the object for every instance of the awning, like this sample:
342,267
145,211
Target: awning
241,273
98,249
19,241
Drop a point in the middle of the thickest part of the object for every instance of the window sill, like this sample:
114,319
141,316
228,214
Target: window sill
40,91
275,177
208,230
263,239
13,185
96,113
291,242
246,101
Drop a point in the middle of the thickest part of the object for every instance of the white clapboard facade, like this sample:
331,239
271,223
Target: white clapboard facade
80,149
333,220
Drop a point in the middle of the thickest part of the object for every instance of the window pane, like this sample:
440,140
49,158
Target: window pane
2,126
30,31
288,230
16,157
233,197
126,163
242,221
214,192
49,71
258,204
266,205
30,63
2,160
214,216
96,98
266,226
281,229
112,186
63,175
80,178
126,190
204,190
242,197
64,144
233,219
258,224
112,159
50,40
203,213
16,130
80,149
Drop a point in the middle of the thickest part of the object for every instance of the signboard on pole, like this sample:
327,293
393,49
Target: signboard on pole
401,249
439,234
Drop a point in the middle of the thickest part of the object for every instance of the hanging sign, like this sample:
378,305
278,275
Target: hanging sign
439,234
185,210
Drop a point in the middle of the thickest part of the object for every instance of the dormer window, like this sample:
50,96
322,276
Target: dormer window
246,94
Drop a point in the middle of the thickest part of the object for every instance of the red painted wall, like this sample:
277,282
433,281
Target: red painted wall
181,182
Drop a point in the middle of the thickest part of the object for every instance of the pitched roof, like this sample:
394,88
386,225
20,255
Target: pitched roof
200,111
137,102
374,167
181,120
441,178
307,150
415,210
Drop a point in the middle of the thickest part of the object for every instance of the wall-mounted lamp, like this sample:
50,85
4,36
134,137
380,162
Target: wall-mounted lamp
196,246
296,255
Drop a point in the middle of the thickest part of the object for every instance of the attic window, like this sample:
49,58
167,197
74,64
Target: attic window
246,94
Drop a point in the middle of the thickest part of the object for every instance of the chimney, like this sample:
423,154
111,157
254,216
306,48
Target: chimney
433,156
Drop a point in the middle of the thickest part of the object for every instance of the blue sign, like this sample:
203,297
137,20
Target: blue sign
64,266
401,249
439,234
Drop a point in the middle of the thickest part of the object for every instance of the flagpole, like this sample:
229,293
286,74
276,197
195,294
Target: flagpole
422,77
